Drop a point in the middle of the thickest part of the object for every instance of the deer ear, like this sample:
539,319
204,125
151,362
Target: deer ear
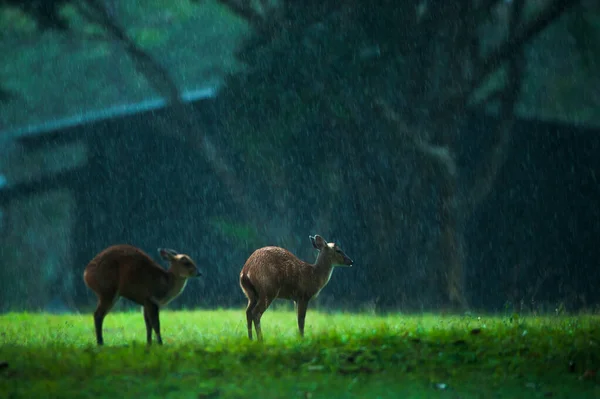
318,241
167,254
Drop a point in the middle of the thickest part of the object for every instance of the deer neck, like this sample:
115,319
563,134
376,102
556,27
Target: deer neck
175,286
323,268
321,273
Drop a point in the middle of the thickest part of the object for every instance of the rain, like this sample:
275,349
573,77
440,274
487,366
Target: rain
446,150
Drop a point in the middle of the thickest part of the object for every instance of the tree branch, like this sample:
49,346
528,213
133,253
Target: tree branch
181,125
244,10
487,173
513,45
419,140
158,76
491,62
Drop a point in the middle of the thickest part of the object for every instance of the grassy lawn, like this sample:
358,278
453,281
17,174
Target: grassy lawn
207,355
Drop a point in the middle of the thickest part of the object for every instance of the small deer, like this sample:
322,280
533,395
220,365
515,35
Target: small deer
127,271
274,272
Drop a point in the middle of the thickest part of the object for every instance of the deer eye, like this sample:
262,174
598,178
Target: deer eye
339,251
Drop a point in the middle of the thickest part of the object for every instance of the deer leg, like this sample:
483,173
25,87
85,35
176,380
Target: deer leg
148,326
251,304
301,307
260,308
152,311
104,306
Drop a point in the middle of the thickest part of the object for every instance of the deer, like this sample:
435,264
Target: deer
273,272
126,271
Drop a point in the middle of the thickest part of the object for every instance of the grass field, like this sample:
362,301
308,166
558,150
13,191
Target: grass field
207,355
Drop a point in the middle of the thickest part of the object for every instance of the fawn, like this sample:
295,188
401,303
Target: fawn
127,271
273,272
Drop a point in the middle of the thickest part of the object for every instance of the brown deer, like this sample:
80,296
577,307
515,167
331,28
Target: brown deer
127,271
273,272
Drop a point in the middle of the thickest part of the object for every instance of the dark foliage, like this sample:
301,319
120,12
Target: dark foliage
44,12
6,95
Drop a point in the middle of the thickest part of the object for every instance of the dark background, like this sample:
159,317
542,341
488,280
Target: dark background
533,242
363,124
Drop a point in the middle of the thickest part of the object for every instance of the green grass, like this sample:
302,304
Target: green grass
207,355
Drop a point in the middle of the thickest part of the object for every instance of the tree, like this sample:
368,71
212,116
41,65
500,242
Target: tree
456,57
415,68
